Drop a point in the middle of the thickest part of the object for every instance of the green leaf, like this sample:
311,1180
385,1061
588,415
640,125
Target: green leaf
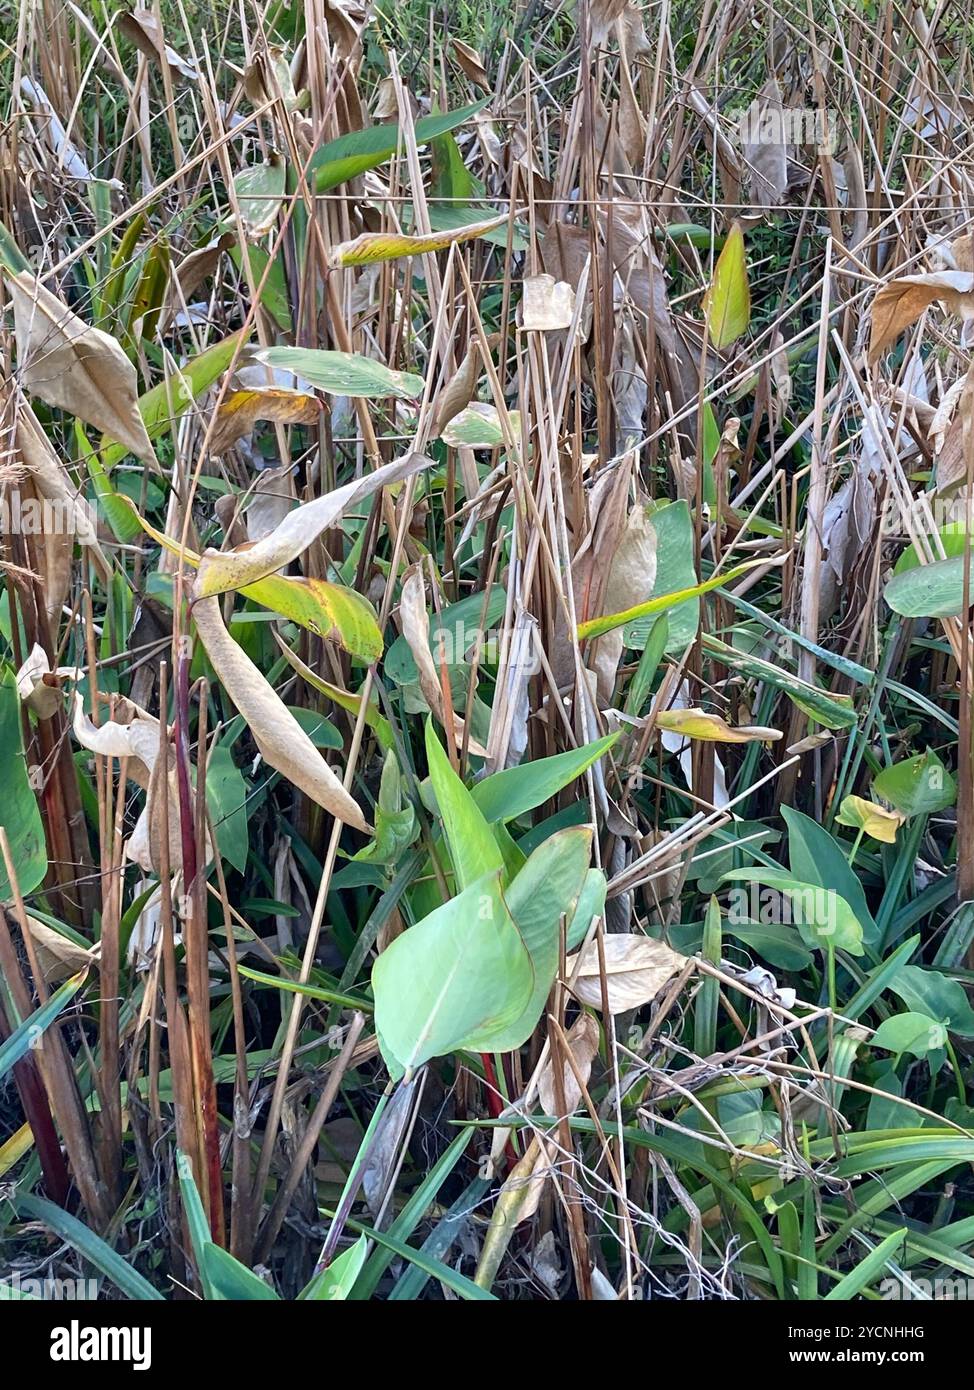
457,629
318,727
868,1269
932,993
816,857
336,1282
343,373
161,407
473,849
824,919
591,903
506,795
834,711
675,569
232,1280
350,155
19,813
396,826
546,890
911,1032
727,300
95,1250
226,798
930,591
918,786
259,192
330,996
26,1034
461,972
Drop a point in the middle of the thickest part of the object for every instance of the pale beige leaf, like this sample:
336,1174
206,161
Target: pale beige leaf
546,304
902,301
283,744
39,687
75,367
57,955
632,577
220,571
765,147
416,630
583,1039
137,741
636,969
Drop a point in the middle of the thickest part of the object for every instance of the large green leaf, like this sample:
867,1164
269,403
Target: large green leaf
344,373
352,154
546,889
461,972
516,790
19,813
472,845
932,993
727,300
816,857
675,570
918,786
930,591
226,798
824,918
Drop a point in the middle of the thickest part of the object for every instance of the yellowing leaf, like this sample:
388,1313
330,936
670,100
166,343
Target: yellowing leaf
902,301
241,410
727,300
636,969
283,744
698,723
371,247
223,570
329,610
75,367
876,821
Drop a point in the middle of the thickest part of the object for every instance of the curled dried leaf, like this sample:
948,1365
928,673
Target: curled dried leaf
583,1039
283,744
75,367
416,630
636,969
902,301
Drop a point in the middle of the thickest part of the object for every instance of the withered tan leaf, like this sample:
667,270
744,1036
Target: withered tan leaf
583,1039
472,64
283,744
75,367
636,969
57,955
902,301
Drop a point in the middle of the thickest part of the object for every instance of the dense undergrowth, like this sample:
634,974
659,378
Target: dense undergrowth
485,684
